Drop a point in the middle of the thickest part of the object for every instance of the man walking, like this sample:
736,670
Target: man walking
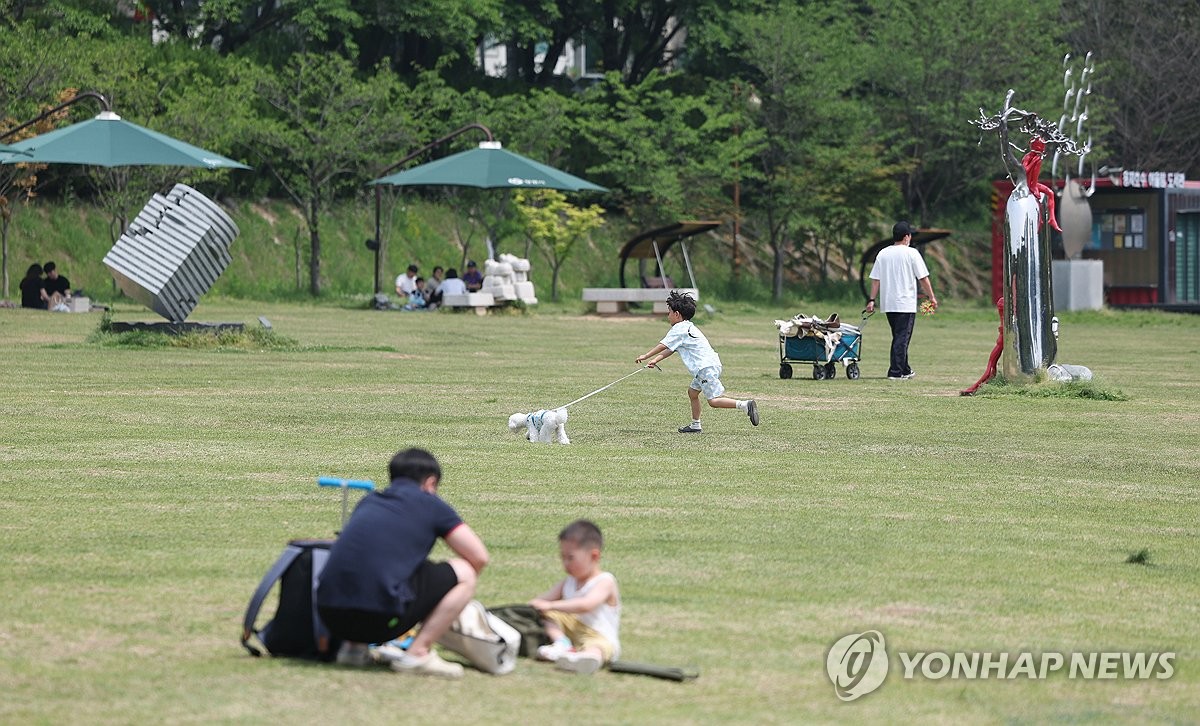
897,272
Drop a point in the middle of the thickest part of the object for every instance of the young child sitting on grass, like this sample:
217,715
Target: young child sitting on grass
700,359
582,613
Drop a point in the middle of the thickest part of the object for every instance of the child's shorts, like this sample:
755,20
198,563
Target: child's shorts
708,382
582,636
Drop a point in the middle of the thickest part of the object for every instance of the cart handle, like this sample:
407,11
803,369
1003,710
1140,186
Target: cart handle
865,315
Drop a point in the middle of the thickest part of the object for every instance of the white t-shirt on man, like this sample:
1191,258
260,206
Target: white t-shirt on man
898,268
405,284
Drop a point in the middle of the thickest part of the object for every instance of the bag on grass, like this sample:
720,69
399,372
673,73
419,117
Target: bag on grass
485,640
296,630
528,623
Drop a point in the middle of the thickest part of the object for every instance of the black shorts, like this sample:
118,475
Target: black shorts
430,584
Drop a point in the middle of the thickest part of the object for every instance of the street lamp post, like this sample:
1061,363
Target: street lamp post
104,104
376,244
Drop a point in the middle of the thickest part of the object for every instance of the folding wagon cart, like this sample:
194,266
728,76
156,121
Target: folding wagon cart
822,342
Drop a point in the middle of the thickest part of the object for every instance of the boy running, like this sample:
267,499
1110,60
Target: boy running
700,359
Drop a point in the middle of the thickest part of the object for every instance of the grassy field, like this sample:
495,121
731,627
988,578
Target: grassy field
145,492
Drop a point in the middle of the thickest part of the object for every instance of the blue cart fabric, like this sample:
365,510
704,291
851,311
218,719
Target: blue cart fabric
811,349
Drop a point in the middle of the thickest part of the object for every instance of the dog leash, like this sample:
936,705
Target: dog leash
604,388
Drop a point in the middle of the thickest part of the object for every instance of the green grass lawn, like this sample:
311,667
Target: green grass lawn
144,492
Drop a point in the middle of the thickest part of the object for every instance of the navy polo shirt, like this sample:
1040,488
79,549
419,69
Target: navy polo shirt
385,540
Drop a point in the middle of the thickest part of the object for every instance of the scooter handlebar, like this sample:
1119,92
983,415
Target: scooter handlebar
333,481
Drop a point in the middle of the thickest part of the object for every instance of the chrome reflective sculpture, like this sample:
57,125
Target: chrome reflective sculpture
1030,328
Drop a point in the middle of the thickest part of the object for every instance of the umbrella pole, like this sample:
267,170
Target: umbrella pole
378,241
398,164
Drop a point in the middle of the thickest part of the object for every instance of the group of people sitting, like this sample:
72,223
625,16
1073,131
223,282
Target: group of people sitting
44,293
421,293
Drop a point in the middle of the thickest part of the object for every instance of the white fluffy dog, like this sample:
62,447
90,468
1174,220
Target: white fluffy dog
541,426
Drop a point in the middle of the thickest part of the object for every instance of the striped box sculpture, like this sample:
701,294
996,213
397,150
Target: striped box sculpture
173,252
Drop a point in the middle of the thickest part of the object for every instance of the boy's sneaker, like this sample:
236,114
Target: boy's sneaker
354,654
430,665
552,652
752,412
584,663
690,429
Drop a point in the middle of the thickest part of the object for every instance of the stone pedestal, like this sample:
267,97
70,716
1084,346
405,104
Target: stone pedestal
1078,284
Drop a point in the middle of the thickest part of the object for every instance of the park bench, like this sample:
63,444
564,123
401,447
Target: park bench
610,300
480,301
646,248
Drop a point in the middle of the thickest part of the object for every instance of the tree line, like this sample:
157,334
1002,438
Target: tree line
825,120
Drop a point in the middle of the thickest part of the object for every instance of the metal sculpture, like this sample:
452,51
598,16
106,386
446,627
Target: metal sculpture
173,252
1074,210
1030,328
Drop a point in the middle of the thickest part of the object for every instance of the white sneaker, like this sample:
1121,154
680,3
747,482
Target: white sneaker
387,652
583,663
354,654
430,665
552,652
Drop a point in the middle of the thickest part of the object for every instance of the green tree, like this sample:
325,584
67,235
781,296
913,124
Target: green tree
931,66
664,154
321,128
1145,54
805,64
32,74
556,226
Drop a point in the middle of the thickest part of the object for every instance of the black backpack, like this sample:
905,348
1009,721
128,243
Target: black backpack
296,630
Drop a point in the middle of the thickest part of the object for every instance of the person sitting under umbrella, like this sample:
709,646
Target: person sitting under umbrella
471,278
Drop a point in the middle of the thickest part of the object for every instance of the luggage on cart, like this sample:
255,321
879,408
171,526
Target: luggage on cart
823,342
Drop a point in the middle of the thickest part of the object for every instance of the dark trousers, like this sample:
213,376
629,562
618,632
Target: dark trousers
902,330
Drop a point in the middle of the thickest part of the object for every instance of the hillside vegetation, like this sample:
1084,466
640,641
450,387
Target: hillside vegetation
270,256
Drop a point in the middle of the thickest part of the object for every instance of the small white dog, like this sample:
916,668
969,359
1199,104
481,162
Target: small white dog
541,426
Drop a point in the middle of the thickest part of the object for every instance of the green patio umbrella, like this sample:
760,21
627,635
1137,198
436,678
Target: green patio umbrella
489,167
10,150
108,140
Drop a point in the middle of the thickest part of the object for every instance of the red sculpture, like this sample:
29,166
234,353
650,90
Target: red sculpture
990,371
1032,162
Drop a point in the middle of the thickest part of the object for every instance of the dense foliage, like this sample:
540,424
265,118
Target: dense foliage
808,126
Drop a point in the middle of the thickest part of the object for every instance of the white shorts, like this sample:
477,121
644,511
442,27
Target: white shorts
708,382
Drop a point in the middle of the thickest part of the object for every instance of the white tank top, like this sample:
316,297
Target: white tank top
605,619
